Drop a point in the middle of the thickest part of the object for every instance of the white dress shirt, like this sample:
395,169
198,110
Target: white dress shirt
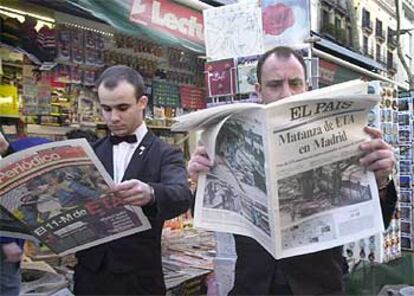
122,153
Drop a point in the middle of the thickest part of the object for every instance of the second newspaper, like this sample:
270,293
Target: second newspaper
58,193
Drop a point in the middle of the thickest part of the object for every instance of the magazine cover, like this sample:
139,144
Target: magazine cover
220,78
246,73
59,191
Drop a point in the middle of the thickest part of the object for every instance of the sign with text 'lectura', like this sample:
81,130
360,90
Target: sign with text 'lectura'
170,17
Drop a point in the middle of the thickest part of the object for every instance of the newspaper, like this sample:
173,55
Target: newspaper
287,174
58,194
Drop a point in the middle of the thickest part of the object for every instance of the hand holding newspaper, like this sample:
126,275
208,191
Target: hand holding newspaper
287,174
58,194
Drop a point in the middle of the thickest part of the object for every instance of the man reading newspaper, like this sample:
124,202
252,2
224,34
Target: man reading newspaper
149,173
281,73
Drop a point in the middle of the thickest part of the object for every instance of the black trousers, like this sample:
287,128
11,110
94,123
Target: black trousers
258,273
105,282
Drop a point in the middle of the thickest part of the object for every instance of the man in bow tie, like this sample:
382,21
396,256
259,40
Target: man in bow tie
148,173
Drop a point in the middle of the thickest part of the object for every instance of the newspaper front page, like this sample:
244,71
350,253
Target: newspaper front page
59,191
323,196
287,174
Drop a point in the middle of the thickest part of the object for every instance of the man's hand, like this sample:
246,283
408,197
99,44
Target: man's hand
378,156
13,252
4,145
134,192
199,163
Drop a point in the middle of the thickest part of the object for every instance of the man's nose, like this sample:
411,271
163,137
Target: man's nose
286,91
114,115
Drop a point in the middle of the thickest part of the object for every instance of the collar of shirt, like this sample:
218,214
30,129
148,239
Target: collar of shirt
122,153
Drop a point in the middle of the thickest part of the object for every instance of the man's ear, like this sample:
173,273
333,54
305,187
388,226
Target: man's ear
143,102
257,88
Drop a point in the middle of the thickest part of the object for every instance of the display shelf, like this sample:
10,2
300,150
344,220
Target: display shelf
10,116
12,65
55,114
81,66
175,69
45,129
150,126
142,55
48,130
385,246
406,167
161,127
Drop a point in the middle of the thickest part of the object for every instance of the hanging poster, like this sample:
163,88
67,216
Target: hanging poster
285,22
233,31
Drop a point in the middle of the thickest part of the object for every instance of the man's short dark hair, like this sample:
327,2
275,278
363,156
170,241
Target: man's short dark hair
113,75
89,135
279,51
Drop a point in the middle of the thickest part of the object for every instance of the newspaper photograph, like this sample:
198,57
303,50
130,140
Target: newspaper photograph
60,192
11,227
288,175
236,186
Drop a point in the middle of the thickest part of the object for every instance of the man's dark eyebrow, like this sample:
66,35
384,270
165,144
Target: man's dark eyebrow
274,81
115,106
296,79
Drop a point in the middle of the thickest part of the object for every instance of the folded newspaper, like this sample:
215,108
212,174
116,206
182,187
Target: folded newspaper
57,193
287,174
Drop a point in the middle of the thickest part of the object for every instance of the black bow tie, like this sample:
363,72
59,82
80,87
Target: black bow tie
115,140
